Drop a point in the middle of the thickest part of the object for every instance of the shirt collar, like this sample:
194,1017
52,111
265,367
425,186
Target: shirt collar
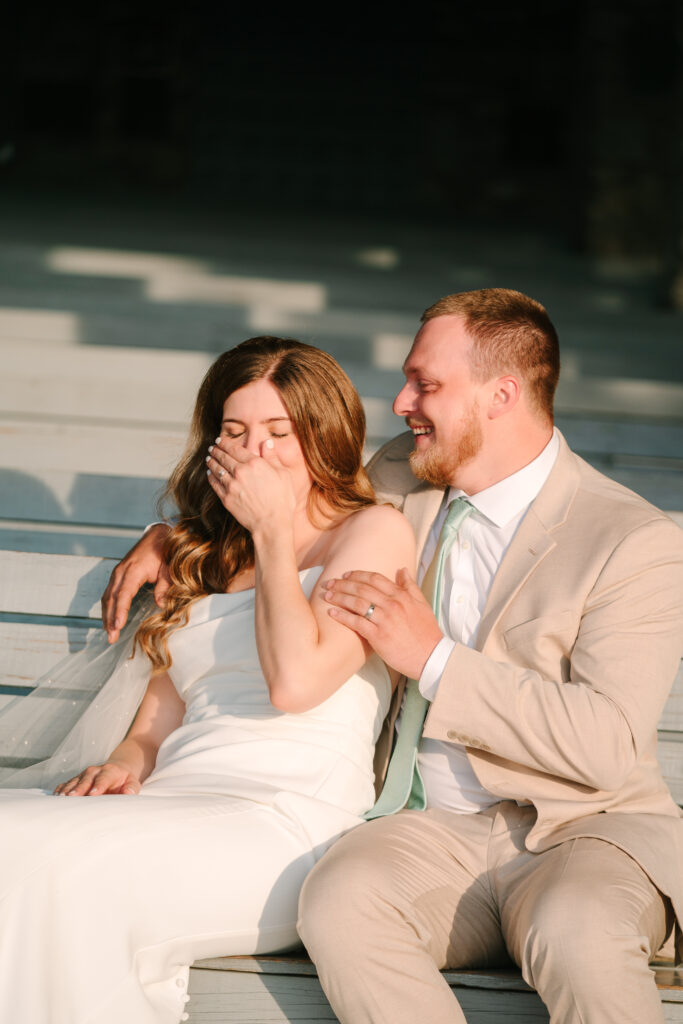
506,499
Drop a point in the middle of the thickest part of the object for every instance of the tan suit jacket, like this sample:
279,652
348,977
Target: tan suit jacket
575,656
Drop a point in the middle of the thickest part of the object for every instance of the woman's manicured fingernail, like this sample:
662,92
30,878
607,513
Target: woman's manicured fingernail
217,441
269,443
208,457
210,448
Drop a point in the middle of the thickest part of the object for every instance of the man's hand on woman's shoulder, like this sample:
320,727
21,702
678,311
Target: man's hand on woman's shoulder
143,564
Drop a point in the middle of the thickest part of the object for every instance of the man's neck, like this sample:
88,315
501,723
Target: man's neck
492,466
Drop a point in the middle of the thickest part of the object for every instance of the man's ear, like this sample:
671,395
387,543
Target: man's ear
504,395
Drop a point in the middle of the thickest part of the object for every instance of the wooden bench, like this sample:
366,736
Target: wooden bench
49,605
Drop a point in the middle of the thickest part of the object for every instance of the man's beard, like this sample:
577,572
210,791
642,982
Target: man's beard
439,466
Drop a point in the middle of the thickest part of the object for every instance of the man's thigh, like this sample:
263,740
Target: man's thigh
429,867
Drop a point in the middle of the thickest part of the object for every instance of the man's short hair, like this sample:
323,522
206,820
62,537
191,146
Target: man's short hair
511,333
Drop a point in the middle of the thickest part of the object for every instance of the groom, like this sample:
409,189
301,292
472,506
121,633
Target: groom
548,835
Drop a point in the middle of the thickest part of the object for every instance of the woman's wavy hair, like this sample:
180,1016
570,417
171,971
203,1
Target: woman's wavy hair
207,547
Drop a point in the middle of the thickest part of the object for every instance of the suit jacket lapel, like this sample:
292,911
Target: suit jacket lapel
533,539
421,508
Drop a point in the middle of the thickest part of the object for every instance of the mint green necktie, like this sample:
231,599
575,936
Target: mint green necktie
403,786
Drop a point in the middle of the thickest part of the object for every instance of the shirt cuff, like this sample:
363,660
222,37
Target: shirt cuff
433,670
159,522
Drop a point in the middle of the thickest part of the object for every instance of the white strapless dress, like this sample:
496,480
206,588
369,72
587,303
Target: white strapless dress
106,901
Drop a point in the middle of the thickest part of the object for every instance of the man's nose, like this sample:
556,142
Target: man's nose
404,403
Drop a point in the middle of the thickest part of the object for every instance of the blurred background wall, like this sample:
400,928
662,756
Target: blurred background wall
565,116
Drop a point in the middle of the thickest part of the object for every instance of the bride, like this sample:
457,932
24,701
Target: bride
251,749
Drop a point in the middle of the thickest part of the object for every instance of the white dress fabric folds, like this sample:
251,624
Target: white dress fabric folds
106,901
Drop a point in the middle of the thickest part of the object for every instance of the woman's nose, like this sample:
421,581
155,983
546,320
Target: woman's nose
252,443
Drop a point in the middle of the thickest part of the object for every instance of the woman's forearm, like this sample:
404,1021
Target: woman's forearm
137,755
160,712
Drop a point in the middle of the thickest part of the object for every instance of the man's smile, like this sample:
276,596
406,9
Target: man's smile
420,429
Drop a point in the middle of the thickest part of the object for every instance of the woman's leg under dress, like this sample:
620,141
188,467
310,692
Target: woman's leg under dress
105,901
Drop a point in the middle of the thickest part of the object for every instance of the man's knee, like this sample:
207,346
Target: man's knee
591,938
584,969
567,941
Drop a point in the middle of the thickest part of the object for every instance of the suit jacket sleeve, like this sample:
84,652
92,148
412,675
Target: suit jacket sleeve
589,719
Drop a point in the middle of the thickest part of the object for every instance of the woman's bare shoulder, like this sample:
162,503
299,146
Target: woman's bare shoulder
382,524
375,539
378,517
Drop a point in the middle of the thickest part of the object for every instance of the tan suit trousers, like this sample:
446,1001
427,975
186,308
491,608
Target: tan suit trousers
401,897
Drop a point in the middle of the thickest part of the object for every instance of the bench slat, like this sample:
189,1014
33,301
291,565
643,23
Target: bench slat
52,584
62,497
672,717
670,757
618,436
33,443
67,538
30,650
92,380
504,979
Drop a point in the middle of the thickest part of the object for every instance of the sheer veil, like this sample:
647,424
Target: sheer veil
77,713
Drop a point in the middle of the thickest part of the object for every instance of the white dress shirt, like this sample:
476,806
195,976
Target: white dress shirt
470,567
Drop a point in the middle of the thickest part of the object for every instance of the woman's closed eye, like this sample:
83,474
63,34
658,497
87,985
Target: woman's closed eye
234,435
